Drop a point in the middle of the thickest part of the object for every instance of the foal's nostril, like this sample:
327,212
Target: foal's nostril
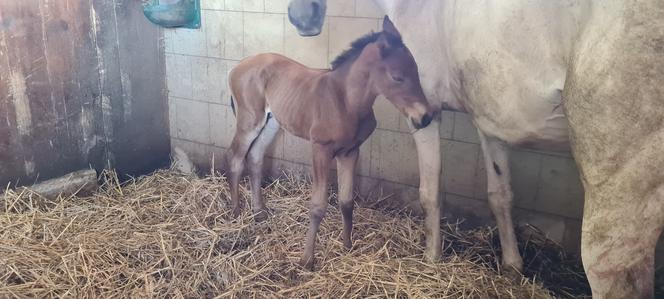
426,120
423,123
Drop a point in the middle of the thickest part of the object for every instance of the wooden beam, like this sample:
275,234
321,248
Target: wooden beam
82,182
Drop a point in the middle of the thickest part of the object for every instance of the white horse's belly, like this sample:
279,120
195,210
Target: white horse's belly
505,63
537,126
517,104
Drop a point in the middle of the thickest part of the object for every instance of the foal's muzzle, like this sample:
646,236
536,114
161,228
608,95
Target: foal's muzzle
423,122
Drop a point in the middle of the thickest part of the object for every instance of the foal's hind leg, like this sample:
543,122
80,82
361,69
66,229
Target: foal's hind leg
346,174
255,159
248,129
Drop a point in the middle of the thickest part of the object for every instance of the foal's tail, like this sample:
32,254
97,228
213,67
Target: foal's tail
233,105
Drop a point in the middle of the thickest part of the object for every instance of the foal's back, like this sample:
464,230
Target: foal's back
292,92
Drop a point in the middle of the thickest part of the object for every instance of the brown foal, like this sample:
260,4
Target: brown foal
330,108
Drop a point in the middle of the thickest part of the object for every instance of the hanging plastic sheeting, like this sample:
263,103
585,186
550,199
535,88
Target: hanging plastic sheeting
174,13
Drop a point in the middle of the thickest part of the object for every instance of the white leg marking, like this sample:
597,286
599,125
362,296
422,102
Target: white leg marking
263,141
255,159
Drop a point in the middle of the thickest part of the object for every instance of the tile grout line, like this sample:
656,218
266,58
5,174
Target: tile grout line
299,164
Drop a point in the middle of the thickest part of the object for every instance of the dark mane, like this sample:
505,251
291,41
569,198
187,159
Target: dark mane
359,44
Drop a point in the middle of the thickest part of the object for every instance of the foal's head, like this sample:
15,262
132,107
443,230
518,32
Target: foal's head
392,72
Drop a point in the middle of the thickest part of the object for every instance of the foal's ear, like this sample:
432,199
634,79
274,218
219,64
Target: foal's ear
390,39
384,45
390,28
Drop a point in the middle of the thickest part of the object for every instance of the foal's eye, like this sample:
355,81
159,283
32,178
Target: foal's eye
397,78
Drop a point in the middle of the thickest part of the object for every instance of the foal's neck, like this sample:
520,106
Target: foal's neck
357,92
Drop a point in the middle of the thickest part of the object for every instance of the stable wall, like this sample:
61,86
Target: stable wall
547,189
82,84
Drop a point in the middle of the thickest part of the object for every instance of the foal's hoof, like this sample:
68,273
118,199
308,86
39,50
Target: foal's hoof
236,212
307,263
261,216
348,244
512,273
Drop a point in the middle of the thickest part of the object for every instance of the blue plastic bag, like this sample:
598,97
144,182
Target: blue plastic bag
174,13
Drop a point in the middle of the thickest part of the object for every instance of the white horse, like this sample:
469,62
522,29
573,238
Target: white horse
539,74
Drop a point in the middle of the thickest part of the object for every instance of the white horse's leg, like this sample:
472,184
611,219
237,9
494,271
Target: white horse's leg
255,159
496,159
428,153
622,223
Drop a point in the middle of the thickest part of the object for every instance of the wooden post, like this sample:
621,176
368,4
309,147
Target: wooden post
82,182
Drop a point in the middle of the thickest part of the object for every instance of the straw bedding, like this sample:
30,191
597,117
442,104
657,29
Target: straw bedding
169,235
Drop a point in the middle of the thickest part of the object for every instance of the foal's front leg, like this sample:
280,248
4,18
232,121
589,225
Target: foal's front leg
346,178
322,158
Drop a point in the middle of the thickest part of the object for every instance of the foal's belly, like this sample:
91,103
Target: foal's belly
340,138
343,148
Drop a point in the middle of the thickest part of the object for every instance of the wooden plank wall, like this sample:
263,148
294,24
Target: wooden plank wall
81,85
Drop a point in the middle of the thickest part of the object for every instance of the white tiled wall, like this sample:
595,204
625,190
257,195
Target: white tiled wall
546,186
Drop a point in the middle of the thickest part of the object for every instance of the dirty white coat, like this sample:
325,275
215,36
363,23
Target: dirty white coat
510,64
